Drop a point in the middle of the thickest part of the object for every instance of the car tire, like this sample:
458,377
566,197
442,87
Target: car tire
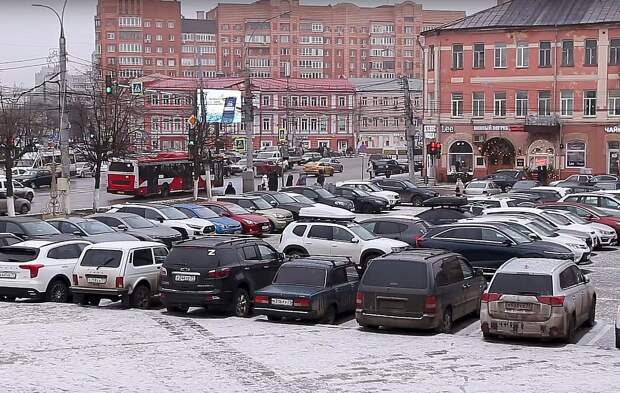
570,333
295,253
592,314
141,297
417,201
330,315
80,300
241,303
30,197
488,336
177,309
35,185
57,292
125,301
367,258
445,325
24,209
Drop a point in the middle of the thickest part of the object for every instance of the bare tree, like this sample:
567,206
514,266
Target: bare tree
108,125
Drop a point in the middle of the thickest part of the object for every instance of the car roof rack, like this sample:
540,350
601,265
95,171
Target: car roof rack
445,201
325,258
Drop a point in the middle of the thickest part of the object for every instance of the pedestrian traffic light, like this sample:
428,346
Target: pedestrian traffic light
191,142
108,84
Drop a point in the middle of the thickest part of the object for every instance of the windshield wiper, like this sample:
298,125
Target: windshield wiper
528,293
105,263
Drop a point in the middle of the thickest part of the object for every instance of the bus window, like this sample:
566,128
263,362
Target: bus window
121,167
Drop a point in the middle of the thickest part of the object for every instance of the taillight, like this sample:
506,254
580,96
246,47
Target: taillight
120,282
418,241
261,299
163,272
34,269
553,301
301,302
75,279
219,273
359,300
490,296
430,304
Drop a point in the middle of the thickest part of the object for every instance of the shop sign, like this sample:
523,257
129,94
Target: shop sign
612,129
447,129
491,127
430,131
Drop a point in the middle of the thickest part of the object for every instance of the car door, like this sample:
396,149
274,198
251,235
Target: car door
253,268
581,293
462,240
318,241
141,264
271,263
343,290
572,291
345,243
473,286
494,249
449,286
154,216
63,258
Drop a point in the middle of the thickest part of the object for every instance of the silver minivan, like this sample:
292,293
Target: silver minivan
544,298
127,271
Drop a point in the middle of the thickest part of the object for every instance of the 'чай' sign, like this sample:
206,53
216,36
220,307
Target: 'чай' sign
612,129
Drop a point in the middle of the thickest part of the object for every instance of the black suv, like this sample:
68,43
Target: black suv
404,228
363,201
220,272
409,192
381,167
418,289
281,200
321,195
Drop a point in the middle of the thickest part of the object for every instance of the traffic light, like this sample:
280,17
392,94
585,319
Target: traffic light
108,84
191,142
438,150
434,149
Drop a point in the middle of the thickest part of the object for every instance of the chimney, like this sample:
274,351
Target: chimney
200,14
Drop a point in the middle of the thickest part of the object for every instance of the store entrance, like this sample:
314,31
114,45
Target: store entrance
613,157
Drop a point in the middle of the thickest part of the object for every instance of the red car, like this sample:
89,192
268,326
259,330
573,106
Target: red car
587,212
252,224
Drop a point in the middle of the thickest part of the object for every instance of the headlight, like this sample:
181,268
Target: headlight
198,227
340,203
398,249
280,216
577,246
249,222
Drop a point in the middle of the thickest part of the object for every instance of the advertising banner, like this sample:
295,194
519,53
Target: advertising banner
221,106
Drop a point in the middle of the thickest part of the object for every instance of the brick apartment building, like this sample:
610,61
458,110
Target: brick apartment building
280,37
525,84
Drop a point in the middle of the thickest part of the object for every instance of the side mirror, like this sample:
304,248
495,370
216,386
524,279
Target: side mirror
507,243
478,272
586,279
160,219
281,256
355,240
122,227
273,203
533,236
78,233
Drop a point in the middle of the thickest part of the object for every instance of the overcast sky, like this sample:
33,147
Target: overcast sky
28,33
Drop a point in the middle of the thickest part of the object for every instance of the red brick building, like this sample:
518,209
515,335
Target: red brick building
313,114
525,84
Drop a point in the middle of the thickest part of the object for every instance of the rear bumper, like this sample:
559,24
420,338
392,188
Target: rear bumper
426,321
554,327
280,313
20,292
100,291
175,297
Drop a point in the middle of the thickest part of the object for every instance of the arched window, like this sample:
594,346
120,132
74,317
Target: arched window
575,154
461,158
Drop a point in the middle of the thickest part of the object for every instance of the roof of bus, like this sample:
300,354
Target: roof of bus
172,156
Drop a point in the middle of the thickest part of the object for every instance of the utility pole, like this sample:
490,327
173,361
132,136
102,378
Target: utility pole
248,120
409,127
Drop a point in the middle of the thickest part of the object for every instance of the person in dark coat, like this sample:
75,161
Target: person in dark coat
230,190
320,179
301,180
289,180
273,181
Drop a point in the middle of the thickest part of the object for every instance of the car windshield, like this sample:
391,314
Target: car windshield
261,204
39,228
372,187
204,212
362,193
542,229
522,284
266,154
138,222
94,227
323,193
303,199
300,275
516,236
398,274
283,198
172,213
576,219
236,209
557,218
408,184
102,258
476,185
361,232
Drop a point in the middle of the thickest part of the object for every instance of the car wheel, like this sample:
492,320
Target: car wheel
141,297
177,309
592,315
241,304
445,326
296,254
80,299
57,292
488,336
330,315
570,333
368,327
30,197
24,209
417,201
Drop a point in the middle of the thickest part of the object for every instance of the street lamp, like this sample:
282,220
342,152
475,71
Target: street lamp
64,132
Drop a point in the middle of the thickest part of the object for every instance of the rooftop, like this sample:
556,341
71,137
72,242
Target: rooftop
532,265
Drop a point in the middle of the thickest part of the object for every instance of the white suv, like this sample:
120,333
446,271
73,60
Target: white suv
168,216
127,271
392,197
341,238
39,269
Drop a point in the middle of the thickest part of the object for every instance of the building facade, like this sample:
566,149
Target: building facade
526,84
311,114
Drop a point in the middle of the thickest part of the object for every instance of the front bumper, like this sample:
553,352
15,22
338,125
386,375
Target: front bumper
426,321
175,297
280,224
607,240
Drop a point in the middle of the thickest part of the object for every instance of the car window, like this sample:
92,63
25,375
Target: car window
132,209
461,233
299,230
572,199
522,283
369,226
578,273
218,210
244,203
352,273
250,254
200,257
339,276
143,257
160,254
466,268
342,235
309,194
396,274
609,203
69,251
9,241
387,227
301,275
321,232
102,258
112,222
66,227
493,235
13,228
266,253
185,211
449,272
568,278
152,215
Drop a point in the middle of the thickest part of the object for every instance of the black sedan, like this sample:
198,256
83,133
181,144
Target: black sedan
506,178
36,178
489,245
138,227
321,195
309,289
409,192
281,200
363,201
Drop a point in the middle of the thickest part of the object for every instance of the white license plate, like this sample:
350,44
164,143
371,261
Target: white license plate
519,306
282,302
8,275
184,278
96,280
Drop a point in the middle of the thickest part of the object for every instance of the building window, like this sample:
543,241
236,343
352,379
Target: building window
614,103
479,55
478,104
575,154
499,104
568,49
523,57
566,103
521,103
591,52
266,124
110,36
457,104
342,124
544,54
461,158
544,103
614,51
589,103
500,55
265,100
431,57
342,101
457,56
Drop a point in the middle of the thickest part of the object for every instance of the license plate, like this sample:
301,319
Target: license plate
8,275
519,306
184,278
282,302
96,280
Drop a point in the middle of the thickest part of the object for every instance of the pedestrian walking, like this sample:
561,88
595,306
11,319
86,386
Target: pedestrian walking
289,180
459,187
272,183
264,182
301,180
230,190
370,169
320,179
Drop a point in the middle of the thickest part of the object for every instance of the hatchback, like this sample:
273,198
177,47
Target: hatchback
482,187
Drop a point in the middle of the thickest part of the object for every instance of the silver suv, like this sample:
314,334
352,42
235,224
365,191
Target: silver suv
529,297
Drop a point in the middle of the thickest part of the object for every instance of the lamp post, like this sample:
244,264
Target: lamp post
64,131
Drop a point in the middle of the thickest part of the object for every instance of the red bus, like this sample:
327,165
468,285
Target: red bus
161,174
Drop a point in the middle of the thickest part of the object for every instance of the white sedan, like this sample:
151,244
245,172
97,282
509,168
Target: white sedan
607,236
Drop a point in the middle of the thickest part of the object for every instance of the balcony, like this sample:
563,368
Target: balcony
547,124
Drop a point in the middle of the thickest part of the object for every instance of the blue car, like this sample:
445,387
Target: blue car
223,225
